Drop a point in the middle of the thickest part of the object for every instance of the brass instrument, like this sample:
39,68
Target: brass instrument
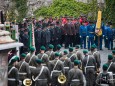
62,78
27,82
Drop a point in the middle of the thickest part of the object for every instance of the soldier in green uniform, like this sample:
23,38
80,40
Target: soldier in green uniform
104,78
43,56
23,68
58,50
30,58
75,76
41,75
89,68
71,55
57,68
50,52
13,77
111,66
96,55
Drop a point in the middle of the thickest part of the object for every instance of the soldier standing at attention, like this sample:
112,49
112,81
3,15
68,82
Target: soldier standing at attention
50,52
66,62
13,77
30,58
83,35
72,56
23,68
75,76
43,56
104,79
58,50
89,68
90,34
96,55
57,68
41,74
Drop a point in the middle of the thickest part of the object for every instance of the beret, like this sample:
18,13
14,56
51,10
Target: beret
85,51
51,46
23,55
58,46
65,52
57,54
113,51
70,49
110,57
39,61
105,67
77,46
76,62
32,49
43,48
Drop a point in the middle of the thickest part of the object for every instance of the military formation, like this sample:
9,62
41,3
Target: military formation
46,68
67,31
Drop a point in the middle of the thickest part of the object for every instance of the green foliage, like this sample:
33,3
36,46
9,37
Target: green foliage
109,11
64,7
21,7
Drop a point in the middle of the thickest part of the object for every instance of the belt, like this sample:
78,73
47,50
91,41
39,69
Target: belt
44,64
75,80
11,79
32,67
66,67
22,73
91,32
90,66
56,71
41,79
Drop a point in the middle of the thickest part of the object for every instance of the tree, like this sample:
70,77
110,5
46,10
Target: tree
64,7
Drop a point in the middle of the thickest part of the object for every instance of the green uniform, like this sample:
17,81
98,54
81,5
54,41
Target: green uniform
13,77
43,76
75,77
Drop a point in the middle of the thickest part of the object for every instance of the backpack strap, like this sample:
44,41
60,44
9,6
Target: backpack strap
10,70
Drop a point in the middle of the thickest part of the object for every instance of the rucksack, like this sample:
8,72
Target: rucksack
104,79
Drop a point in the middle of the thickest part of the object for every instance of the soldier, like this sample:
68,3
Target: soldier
23,68
89,68
110,37
13,78
111,66
90,34
50,52
75,76
104,78
43,56
79,54
58,49
113,54
57,68
96,55
72,56
30,58
38,32
25,40
41,75
83,34
66,62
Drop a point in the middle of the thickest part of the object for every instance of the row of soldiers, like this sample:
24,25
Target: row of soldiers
45,67
70,33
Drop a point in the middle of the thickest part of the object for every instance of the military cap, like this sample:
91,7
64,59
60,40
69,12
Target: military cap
57,54
65,52
39,61
51,46
43,48
17,58
23,55
110,57
113,51
105,67
77,46
85,51
93,46
58,46
32,49
70,49
76,62
13,60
